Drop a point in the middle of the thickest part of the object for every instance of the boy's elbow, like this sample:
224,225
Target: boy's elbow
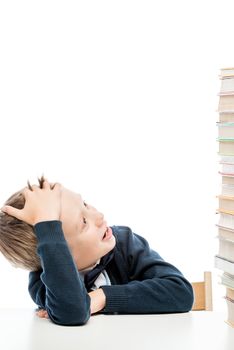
186,298
74,318
188,303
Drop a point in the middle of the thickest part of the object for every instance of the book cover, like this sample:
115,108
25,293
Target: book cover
227,169
227,179
228,281
226,146
226,249
224,264
226,159
226,219
226,233
230,292
225,129
227,85
227,190
226,203
226,102
226,73
225,211
226,117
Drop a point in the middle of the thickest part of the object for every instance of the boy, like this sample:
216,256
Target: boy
80,266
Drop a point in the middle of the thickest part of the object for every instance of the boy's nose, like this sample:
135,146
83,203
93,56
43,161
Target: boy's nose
99,219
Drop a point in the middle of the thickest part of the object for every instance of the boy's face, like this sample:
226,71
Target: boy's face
85,230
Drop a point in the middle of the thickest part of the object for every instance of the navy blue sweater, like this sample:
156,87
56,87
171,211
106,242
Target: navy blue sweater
141,281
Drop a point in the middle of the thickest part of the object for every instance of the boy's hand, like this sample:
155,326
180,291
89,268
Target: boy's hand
98,300
41,204
42,313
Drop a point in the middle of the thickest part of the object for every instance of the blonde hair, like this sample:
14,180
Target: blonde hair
18,242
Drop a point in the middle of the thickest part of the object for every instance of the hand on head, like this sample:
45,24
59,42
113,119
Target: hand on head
42,203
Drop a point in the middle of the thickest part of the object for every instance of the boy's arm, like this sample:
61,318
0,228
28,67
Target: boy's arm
40,281
154,286
57,287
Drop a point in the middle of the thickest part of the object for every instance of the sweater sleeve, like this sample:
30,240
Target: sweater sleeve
154,285
57,287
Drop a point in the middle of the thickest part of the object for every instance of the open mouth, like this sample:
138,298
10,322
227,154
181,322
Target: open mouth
107,234
104,236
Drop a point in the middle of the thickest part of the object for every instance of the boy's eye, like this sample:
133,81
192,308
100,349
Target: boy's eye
85,204
84,221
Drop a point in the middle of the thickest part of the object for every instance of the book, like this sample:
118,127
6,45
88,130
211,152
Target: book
228,281
226,116
226,203
227,179
226,249
227,168
226,146
229,93
226,220
225,211
225,129
230,292
225,233
224,264
230,311
226,175
227,159
226,72
226,103
227,85
227,190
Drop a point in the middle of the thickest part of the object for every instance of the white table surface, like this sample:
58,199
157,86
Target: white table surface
21,329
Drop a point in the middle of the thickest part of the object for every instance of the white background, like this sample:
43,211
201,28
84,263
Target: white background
117,100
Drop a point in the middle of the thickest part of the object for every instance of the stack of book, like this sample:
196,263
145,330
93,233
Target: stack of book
224,260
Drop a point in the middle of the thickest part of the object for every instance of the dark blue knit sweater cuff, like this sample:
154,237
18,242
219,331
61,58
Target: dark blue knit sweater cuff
49,231
116,299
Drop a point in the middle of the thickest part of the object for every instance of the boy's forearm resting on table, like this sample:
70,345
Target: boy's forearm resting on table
97,303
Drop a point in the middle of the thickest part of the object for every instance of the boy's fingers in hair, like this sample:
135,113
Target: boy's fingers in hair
34,187
46,184
29,185
52,185
41,180
7,209
26,191
56,185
